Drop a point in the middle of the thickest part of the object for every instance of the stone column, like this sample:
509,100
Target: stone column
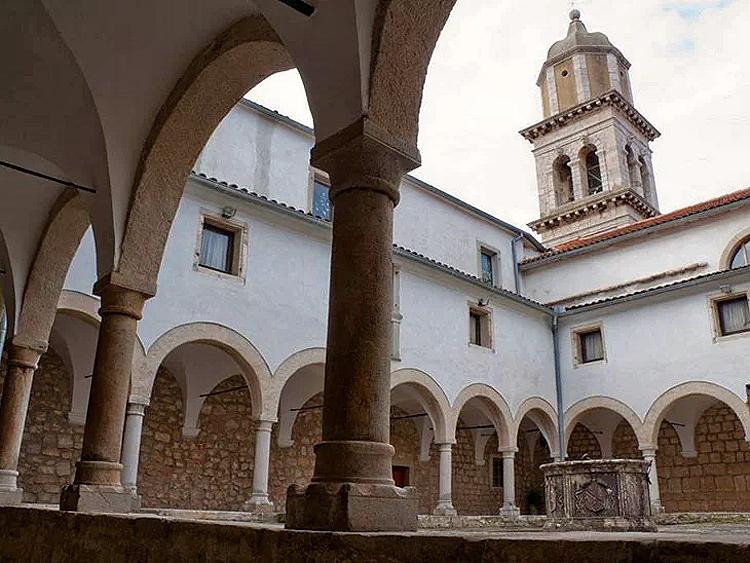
259,501
509,485
352,488
649,455
131,443
22,362
445,501
580,186
97,486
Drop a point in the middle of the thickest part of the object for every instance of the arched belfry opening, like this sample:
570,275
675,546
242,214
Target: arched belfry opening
593,178
563,178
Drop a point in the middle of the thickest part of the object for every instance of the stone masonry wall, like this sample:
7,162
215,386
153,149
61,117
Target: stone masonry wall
51,445
625,442
212,471
473,493
529,478
583,442
718,479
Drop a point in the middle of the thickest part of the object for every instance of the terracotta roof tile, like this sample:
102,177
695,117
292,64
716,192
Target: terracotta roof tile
644,224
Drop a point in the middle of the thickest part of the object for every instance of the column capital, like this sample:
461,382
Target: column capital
121,297
366,156
508,453
648,450
137,405
445,447
264,425
25,353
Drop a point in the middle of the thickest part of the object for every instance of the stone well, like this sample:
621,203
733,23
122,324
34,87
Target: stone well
598,494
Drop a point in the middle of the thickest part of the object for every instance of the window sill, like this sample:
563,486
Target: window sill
719,338
237,278
579,364
485,348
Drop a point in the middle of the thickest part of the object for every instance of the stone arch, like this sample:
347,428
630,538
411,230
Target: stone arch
496,409
254,368
592,169
543,414
281,395
743,237
404,37
575,412
562,179
240,58
60,241
656,413
431,396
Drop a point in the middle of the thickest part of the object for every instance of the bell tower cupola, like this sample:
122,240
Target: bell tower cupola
593,159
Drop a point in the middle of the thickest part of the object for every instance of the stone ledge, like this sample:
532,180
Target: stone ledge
28,534
436,522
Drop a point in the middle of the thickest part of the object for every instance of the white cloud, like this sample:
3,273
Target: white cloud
689,78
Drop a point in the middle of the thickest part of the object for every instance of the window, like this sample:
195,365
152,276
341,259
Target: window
741,257
479,328
321,203
733,315
592,349
217,248
593,173
220,246
497,472
588,344
488,271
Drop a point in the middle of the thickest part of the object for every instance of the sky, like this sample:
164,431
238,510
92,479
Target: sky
690,78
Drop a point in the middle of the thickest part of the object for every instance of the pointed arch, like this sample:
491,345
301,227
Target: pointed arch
655,415
544,416
254,367
431,396
496,409
575,412
240,58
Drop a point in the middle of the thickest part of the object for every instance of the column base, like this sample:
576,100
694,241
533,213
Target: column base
259,504
445,508
656,508
351,507
112,499
10,494
510,512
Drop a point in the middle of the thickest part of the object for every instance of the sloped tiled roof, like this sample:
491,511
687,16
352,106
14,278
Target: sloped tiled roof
688,211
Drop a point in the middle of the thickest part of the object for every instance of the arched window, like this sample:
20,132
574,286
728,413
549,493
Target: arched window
593,172
741,256
563,181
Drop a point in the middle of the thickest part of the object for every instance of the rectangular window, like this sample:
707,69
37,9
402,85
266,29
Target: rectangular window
497,472
321,203
475,328
217,248
488,272
734,316
480,328
591,346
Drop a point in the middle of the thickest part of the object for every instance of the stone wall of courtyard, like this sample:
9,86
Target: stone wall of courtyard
718,479
211,471
51,444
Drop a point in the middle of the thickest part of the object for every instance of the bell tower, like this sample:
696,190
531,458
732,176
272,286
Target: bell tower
593,160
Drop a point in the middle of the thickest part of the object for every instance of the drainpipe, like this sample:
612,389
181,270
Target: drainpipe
556,312
516,270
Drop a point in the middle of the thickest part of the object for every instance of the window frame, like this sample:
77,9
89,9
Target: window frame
484,316
577,344
238,229
495,262
319,177
715,304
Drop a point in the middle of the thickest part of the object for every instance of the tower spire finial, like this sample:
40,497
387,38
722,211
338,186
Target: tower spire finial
575,13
